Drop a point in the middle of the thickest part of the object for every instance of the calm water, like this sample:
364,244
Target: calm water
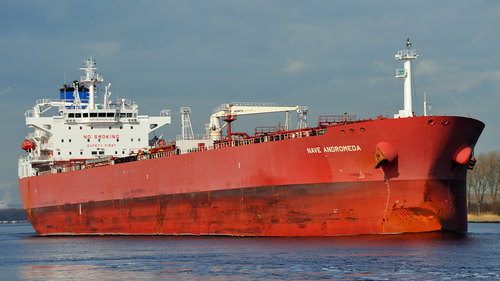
429,256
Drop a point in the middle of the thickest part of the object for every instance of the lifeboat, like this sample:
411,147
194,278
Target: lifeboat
27,144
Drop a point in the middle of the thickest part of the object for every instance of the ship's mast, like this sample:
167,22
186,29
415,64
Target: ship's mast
91,78
406,56
107,93
187,130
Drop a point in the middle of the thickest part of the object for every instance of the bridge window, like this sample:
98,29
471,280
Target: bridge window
93,114
102,114
85,115
94,152
78,115
110,114
71,115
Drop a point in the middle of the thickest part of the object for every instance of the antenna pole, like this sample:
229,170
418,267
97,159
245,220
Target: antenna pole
425,104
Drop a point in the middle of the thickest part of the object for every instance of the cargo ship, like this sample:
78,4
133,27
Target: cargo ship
97,168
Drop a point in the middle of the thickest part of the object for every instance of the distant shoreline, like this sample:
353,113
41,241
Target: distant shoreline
14,222
12,215
489,218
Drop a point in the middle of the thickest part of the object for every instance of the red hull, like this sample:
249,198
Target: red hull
294,187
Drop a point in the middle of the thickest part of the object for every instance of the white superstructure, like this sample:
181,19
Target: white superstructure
84,129
86,133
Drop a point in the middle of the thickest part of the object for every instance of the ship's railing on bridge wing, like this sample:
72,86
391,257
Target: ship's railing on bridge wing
38,134
47,102
165,113
35,158
29,113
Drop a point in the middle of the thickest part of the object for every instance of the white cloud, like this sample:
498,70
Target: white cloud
5,197
5,202
382,66
103,49
295,67
2,92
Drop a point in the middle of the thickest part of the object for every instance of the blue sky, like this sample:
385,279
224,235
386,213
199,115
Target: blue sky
332,56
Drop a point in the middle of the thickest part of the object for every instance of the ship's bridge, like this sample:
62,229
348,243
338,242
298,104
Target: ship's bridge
85,129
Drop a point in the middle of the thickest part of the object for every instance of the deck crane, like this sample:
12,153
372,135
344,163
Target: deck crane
229,112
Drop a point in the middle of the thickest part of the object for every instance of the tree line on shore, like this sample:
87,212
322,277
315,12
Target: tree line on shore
12,214
483,180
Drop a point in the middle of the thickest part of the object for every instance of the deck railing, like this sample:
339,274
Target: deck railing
160,154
